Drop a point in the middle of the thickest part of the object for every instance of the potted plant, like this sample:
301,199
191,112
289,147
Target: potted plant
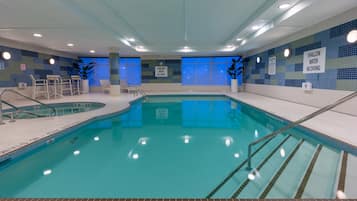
234,71
83,70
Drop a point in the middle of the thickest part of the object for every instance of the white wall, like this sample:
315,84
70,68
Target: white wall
316,97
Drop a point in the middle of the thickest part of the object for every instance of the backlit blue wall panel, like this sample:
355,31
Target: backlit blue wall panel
130,70
206,70
100,71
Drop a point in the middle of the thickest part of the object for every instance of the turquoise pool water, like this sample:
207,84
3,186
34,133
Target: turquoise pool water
163,147
61,109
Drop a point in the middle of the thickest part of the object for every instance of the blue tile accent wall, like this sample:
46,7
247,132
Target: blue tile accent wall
347,74
341,61
301,50
347,50
36,64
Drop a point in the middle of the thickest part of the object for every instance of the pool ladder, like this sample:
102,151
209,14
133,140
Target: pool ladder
17,110
296,123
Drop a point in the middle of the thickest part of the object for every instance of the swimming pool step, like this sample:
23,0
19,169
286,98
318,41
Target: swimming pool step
253,188
229,185
286,181
322,181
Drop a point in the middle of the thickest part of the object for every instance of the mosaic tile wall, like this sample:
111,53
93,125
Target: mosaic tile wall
148,71
341,62
36,64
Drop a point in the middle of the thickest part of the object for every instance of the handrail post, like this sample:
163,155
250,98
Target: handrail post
249,157
1,117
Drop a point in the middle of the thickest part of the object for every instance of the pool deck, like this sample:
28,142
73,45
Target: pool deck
23,132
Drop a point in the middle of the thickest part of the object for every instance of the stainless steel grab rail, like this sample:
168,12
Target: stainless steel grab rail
18,110
26,97
298,122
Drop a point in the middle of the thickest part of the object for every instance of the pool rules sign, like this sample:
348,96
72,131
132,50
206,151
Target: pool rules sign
314,61
161,71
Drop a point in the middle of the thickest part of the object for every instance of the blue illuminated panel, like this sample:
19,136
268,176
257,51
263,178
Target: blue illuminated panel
100,71
206,70
130,70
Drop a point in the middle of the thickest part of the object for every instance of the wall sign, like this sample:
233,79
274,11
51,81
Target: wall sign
22,67
272,66
314,61
161,71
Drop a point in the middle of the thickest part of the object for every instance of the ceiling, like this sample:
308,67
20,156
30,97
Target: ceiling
160,27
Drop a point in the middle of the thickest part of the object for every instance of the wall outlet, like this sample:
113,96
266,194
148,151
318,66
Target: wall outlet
307,86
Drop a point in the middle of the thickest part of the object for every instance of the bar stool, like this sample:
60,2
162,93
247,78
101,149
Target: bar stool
53,82
39,86
65,85
76,84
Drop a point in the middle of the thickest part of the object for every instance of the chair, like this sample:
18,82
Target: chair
53,82
105,84
39,86
76,84
125,88
65,85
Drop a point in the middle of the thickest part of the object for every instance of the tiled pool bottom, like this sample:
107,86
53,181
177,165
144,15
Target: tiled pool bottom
162,114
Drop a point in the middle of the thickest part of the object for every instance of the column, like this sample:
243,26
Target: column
114,72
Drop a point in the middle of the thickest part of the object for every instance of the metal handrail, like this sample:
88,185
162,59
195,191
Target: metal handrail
296,123
26,97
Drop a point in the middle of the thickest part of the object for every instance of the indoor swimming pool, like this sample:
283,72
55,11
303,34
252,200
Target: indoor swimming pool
177,147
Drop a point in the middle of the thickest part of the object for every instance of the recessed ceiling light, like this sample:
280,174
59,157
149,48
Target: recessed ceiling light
131,39
186,49
243,42
256,27
37,35
6,55
141,49
126,42
92,51
239,39
284,6
229,48
70,44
